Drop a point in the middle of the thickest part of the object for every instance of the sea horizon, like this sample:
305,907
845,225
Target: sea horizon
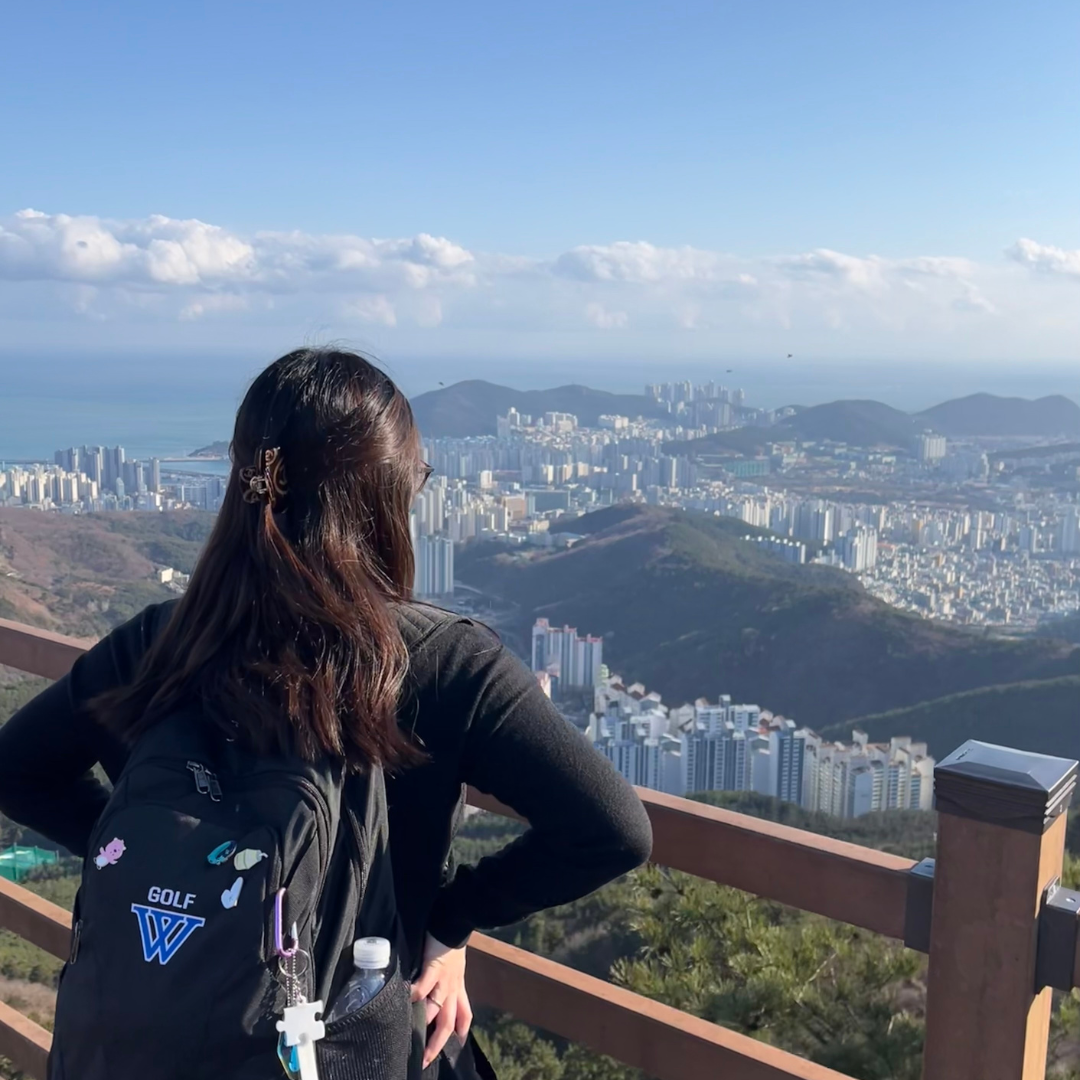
169,405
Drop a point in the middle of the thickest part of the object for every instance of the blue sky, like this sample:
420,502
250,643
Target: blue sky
530,141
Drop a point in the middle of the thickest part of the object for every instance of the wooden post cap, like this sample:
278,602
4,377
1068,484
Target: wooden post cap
1000,786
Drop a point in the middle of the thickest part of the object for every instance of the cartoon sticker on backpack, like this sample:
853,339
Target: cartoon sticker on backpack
248,858
110,853
231,896
222,853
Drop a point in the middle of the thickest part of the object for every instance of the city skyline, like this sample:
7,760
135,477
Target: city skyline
168,404
977,530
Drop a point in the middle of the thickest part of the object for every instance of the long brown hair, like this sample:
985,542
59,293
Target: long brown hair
286,631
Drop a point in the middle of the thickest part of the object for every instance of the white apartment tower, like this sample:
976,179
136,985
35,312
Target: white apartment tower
576,661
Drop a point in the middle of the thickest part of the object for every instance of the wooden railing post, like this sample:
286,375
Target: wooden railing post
1001,839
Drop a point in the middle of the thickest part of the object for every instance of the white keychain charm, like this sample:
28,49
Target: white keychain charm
302,1030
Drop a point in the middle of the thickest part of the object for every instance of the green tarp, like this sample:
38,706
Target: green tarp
17,862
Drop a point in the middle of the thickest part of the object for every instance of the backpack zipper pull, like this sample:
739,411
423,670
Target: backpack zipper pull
214,786
202,784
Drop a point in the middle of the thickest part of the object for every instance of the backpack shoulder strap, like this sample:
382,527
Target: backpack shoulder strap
358,898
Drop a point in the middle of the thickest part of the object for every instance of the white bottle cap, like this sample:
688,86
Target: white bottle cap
371,953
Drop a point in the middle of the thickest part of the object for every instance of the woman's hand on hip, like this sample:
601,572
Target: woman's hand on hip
441,986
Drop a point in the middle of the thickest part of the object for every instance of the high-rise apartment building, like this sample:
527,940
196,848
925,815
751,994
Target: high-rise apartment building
1070,532
787,760
114,458
68,460
849,780
574,661
858,548
560,423
930,448
93,463
434,567
815,519
717,748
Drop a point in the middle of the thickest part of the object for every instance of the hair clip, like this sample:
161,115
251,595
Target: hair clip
265,481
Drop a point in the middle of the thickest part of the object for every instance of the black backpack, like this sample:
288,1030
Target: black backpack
205,862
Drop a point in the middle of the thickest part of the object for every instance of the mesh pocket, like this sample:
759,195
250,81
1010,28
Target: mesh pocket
372,1043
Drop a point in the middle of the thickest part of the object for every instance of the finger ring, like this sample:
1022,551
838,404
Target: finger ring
437,1004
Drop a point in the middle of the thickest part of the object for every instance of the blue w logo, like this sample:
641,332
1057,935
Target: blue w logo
163,932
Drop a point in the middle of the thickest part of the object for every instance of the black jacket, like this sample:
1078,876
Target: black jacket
477,711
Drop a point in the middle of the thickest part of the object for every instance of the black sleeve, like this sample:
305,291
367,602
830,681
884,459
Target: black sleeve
586,824
49,746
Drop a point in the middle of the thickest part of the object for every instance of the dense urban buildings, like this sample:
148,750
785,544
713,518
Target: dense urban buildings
967,530
981,532
92,479
733,747
725,746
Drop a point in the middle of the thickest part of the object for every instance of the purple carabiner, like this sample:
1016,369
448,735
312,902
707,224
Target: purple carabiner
279,928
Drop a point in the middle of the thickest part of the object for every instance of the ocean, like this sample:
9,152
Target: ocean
168,406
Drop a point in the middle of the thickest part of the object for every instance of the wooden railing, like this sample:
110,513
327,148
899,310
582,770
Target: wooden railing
987,1015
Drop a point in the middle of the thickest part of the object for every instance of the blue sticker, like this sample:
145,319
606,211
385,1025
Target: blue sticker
163,932
222,853
231,896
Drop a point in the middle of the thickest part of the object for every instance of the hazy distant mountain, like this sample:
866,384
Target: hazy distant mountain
986,414
470,407
214,450
689,608
860,423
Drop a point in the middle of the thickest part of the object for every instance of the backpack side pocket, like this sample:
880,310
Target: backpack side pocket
373,1043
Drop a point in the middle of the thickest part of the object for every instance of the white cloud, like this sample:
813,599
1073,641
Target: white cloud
600,317
295,260
164,251
372,309
861,273
974,301
157,270
1051,260
157,249
638,263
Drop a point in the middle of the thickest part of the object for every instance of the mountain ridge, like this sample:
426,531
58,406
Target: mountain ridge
988,713
1054,414
859,422
687,607
469,408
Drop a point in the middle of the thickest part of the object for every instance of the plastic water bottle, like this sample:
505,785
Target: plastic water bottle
371,959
